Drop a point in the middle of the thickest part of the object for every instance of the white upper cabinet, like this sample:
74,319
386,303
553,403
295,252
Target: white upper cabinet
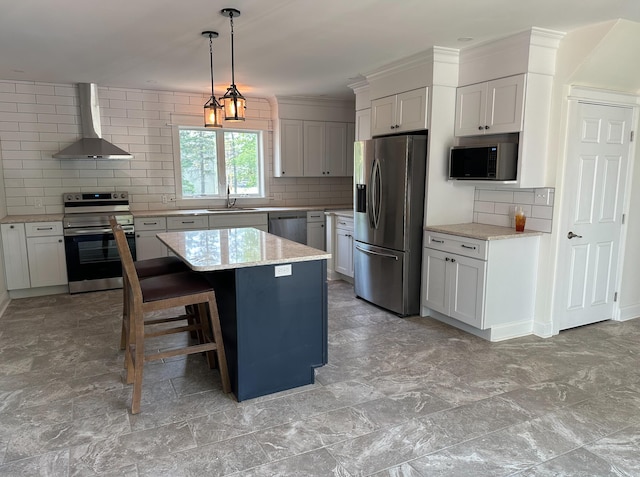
314,149
310,137
401,112
363,125
491,107
291,148
336,145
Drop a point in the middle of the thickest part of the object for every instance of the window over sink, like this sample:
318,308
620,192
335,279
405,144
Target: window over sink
210,161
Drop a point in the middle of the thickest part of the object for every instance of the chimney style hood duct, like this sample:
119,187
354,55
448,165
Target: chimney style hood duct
91,146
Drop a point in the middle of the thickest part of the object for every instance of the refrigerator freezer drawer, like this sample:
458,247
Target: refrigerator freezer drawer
380,277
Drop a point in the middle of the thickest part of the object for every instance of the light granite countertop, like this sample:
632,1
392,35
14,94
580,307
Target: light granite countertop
222,210
16,219
223,249
340,213
482,231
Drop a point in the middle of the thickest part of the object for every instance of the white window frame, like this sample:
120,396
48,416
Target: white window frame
221,166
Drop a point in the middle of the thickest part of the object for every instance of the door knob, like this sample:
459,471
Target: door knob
571,235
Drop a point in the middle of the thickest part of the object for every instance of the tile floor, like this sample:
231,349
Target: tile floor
399,397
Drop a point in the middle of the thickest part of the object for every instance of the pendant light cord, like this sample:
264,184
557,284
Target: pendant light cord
233,76
211,59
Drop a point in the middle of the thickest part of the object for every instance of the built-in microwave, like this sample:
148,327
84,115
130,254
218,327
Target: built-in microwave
496,162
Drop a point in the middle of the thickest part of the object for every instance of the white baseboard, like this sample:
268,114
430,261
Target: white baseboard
5,299
629,312
543,330
497,333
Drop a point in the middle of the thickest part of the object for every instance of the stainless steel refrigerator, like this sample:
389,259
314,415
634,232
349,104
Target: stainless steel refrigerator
389,183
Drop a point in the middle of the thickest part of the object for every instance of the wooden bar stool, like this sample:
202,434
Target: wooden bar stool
145,269
163,292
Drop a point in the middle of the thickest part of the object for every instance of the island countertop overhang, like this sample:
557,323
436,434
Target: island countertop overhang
224,249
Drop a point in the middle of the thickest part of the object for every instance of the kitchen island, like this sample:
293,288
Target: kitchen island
272,299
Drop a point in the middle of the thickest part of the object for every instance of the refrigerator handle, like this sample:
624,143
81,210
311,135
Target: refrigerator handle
376,186
371,206
371,252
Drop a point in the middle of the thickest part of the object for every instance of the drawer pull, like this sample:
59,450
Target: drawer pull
437,241
44,228
188,222
468,246
150,223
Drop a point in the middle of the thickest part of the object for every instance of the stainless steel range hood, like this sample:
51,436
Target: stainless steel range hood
91,146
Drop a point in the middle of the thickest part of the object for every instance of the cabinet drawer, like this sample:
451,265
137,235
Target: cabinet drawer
150,223
344,222
467,247
43,229
200,222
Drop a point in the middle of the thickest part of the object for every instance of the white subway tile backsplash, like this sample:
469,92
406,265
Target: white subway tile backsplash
9,126
493,219
524,197
542,212
37,108
17,98
539,218
495,196
44,118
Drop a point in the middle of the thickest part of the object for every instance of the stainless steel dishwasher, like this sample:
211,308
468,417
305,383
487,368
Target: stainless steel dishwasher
289,225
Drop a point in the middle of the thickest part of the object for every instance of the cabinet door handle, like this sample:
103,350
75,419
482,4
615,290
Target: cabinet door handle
480,128
437,241
468,246
453,260
393,127
447,259
59,240
486,127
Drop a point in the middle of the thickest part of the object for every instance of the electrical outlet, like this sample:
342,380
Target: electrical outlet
38,203
542,196
164,199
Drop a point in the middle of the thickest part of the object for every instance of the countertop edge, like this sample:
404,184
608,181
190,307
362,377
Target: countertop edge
482,231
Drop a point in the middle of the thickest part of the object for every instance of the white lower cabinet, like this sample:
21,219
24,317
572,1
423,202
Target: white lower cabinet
316,230
16,260
34,255
454,285
344,246
147,244
488,285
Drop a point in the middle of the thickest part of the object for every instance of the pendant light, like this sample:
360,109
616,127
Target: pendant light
212,109
233,102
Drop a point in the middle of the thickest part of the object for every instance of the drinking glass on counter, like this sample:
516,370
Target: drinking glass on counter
520,219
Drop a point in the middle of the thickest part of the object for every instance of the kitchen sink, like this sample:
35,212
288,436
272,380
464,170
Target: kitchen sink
231,209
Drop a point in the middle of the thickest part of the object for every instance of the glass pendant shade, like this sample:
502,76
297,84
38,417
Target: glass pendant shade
234,104
212,114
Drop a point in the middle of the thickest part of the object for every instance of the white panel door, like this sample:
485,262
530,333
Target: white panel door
383,115
596,171
335,153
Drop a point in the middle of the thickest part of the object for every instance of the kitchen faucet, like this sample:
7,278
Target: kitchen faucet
230,203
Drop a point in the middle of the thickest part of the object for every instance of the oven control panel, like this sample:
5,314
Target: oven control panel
107,197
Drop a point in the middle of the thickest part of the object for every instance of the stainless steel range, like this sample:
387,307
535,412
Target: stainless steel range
93,262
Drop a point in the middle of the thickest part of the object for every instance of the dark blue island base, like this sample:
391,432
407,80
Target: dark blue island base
274,328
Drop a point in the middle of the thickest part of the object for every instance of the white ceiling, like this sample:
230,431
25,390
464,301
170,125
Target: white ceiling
283,47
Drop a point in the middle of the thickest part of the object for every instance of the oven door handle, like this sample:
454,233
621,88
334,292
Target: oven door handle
106,230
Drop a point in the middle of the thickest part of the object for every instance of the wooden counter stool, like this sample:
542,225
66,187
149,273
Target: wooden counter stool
147,268
163,292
